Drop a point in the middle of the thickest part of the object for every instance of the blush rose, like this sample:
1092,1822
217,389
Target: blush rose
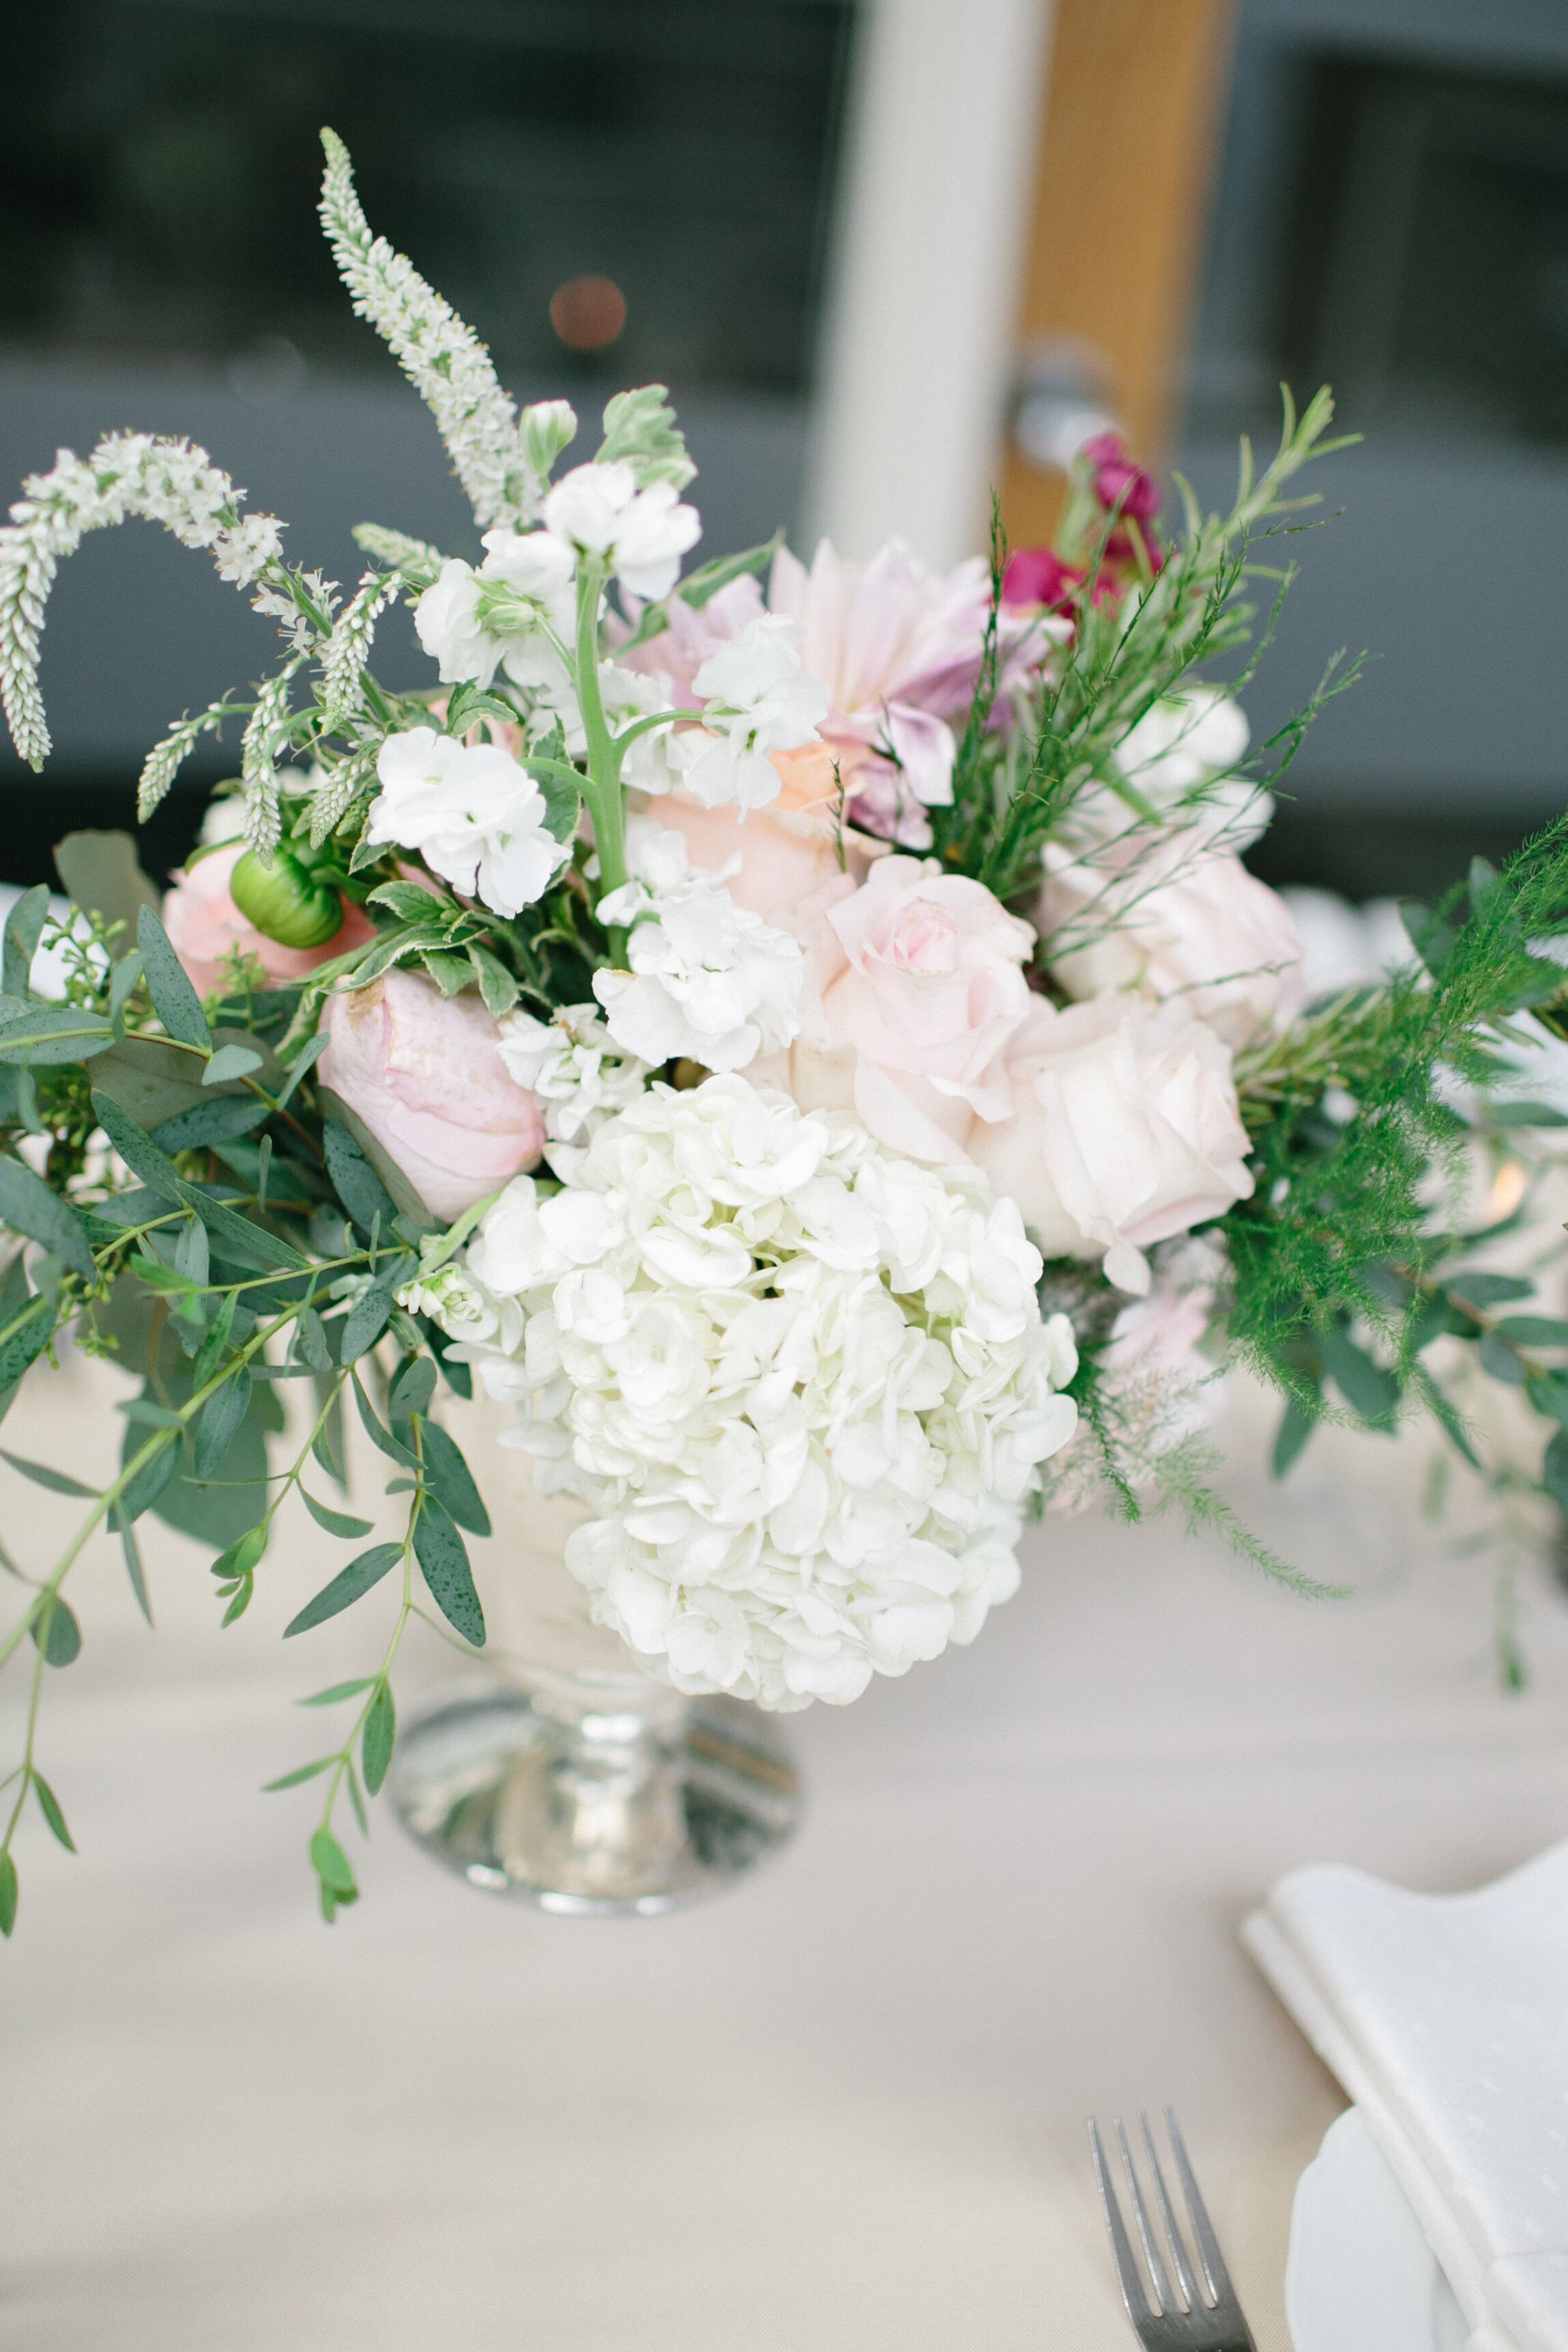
1212,935
424,1072
1125,1129
914,991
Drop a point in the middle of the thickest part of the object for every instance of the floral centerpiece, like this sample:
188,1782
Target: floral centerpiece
804,1036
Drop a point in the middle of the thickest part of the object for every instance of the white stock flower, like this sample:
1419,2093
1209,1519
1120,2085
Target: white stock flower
538,570
709,979
758,701
640,534
447,619
476,817
465,1310
805,1386
571,1067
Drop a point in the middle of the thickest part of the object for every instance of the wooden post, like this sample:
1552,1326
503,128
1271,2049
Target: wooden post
1121,174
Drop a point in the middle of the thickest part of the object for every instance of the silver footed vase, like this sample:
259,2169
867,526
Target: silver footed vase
558,1771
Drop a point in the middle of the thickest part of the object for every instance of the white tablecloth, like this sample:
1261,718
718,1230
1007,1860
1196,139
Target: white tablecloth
842,2107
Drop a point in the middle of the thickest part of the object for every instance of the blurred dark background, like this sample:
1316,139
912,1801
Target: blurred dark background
615,191
612,192
1390,214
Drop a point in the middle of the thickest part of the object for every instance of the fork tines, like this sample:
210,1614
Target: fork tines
1182,2300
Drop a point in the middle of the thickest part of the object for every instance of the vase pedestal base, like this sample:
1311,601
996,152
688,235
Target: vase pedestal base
600,1805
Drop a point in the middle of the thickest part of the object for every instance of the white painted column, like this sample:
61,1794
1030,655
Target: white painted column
918,351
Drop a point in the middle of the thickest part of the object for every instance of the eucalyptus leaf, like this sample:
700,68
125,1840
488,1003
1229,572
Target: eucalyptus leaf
379,1437
1367,1387
28,1206
24,925
1534,1330
336,1692
393,1194
26,1339
153,1476
220,1119
1525,1113
1482,1289
330,1865
218,1422
231,1062
1496,1356
243,1555
300,1772
192,1256
133,1568
57,1633
450,1480
249,1243
348,1585
378,1737
337,1523
57,1481
1294,1428
49,1806
367,1318
175,1000
311,1340
100,873
49,1033
413,1386
304,1062
122,978
1554,1468
443,1562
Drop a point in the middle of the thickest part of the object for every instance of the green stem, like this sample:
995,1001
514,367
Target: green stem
602,784
105,1502
24,1769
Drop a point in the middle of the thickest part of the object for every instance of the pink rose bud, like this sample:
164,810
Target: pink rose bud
424,1073
1037,575
205,927
1116,481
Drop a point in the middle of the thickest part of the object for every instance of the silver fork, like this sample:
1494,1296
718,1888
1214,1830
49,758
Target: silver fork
1182,2318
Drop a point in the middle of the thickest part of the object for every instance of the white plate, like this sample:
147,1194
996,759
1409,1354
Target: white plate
1360,2276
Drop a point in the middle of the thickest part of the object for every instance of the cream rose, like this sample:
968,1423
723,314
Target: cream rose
425,1072
1125,1131
1210,934
914,992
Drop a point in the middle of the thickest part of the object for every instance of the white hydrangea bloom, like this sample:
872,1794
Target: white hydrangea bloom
758,701
641,534
709,979
571,1065
476,817
805,1386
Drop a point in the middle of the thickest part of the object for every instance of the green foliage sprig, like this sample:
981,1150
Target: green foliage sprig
250,1241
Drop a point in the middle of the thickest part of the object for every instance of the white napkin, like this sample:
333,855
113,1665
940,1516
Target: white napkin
1445,2018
